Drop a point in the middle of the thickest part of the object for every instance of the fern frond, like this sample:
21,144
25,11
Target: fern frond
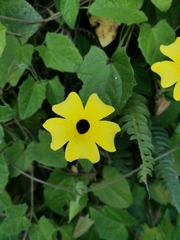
163,166
134,121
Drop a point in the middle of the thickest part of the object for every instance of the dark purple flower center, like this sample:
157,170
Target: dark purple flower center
82,126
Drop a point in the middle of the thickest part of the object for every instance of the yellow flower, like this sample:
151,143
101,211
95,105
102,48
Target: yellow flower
169,71
81,128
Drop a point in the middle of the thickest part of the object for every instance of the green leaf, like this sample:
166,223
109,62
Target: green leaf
31,95
66,232
15,222
4,172
174,143
69,10
55,91
160,34
108,227
76,206
43,231
58,199
2,39
112,79
6,113
14,53
124,11
116,194
5,201
158,193
165,228
148,233
162,5
1,133
60,53
16,155
21,10
42,153
86,164
15,72
83,224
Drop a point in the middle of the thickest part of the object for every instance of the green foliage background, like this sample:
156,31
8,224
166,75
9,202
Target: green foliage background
47,50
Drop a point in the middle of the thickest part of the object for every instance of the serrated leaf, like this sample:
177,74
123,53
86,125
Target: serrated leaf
16,53
21,10
124,11
150,39
15,222
112,79
31,95
69,10
2,39
4,172
42,153
108,227
57,199
162,5
116,194
55,91
60,53
6,113
83,224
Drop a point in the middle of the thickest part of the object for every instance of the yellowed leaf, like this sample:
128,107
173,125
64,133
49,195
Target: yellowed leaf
106,29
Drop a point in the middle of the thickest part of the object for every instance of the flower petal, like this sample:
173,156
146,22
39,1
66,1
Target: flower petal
176,93
71,108
61,131
103,133
95,109
168,71
82,146
172,50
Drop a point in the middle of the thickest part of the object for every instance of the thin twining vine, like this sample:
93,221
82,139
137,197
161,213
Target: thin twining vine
95,188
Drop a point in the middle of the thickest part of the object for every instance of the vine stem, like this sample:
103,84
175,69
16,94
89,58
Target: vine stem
96,188
56,15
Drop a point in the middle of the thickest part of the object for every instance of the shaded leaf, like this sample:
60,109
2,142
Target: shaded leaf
6,113
15,222
116,194
16,54
4,173
55,91
58,200
2,39
107,227
21,10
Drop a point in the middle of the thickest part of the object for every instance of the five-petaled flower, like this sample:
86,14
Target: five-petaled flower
81,127
169,71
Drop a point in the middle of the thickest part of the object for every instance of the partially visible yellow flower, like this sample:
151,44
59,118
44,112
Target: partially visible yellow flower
81,128
169,71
